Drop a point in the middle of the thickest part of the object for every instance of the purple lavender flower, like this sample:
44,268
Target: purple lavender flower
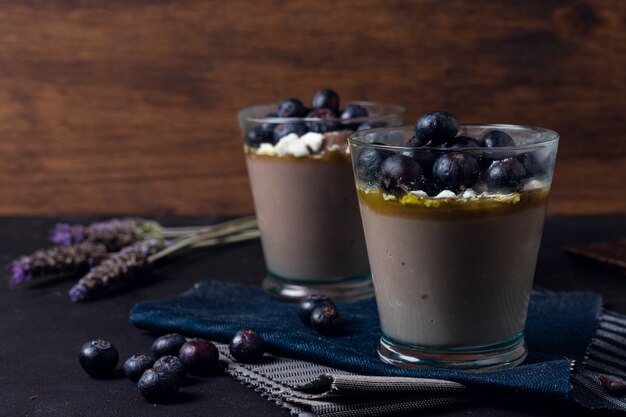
66,261
114,233
117,270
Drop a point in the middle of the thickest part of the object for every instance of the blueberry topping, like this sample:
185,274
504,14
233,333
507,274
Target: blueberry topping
368,162
326,99
353,111
455,171
505,175
172,363
310,303
461,142
400,174
285,129
168,344
291,107
435,128
98,358
497,139
536,162
372,125
269,126
325,320
199,356
322,126
159,384
246,346
255,137
136,365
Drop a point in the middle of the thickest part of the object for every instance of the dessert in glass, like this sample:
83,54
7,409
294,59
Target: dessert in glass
303,189
453,217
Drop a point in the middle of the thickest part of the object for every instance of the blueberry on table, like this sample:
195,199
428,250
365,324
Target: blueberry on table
168,344
98,358
325,320
267,125
497,139
322,126
285,129
455,170
255,137
372,125
310,303
136,365
505,175
159,384
400,174
291,107
461,142
173,364
353,111
199,356
247,346
326,99
368,163
435,128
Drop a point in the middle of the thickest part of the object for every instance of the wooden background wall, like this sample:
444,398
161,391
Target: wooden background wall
120,106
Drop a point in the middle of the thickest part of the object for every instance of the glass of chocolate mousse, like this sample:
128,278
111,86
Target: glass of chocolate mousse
453,216
303,189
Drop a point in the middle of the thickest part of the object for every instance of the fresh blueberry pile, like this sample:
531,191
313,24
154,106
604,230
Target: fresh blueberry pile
319,312
438,161
324,108
160,380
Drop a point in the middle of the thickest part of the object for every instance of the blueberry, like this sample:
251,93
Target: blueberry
199,356
98,358
372,125
285,129
325,320
455,170
246,346
291,107
505,175
326,99
461,142
159,384
269,126
136,365
322,126
400,174
255,137
368,162
168,344
536,162
172,363
497,139
435,128
310,303
353,111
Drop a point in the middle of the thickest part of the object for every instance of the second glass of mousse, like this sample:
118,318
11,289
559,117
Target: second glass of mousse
453,217
301,177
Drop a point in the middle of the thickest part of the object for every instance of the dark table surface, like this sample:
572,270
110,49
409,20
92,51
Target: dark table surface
41,331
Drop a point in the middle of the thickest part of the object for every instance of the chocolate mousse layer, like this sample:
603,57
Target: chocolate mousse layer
453,272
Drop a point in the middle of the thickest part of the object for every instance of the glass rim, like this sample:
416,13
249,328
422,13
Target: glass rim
395,110
550,137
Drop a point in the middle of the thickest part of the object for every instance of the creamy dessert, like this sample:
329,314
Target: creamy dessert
299,167
453,226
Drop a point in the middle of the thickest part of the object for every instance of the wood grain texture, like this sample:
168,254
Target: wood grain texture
129,106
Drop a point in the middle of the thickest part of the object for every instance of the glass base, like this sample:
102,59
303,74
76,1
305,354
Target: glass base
475,359
352,288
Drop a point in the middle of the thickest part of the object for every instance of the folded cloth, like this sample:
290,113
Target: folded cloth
559,329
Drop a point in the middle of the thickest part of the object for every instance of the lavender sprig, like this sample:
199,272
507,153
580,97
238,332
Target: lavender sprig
119,269
67,261
114,234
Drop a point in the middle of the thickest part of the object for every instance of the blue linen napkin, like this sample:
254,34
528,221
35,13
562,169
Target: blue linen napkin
559,328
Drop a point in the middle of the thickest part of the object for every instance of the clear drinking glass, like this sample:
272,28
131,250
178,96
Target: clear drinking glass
453,239
303,191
